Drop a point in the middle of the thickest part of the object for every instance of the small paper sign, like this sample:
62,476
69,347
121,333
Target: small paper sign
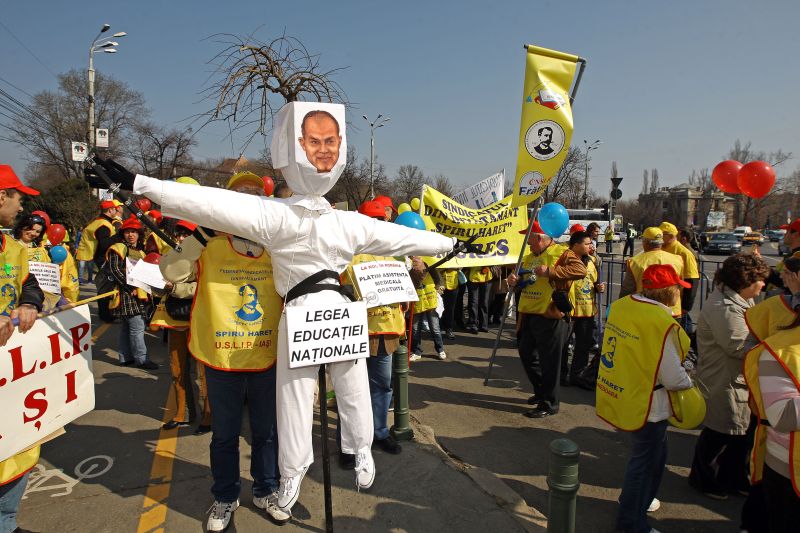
48,275
147,273
384,283
327,333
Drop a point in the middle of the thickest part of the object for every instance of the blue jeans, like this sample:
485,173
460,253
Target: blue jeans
87,267
10,496
226,394
379,370
433,323
131,339
642,476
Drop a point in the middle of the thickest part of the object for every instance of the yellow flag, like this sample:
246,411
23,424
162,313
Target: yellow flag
497,227
545,129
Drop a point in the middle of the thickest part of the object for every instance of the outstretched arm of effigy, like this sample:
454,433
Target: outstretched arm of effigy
385,238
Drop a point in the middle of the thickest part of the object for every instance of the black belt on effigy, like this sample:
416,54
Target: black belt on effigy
312,284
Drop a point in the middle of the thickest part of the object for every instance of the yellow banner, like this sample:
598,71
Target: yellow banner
497,227
545,129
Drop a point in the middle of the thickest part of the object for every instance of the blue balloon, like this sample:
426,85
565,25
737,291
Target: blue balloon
410,220
553,219
58,254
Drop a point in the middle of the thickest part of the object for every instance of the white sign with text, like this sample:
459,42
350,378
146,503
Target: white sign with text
47,274
322,334
384,283
484,193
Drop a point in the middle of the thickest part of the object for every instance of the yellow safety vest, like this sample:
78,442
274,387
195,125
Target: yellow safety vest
450,276
535,298
88,245
633,344
36,253
382,319
766,318
428,297
15,467
235,314
639,263
784,346
690,270
479,274
161,244
122,250
582,293
69,278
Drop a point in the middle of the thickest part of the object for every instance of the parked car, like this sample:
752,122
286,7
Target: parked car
775,235
722,244
741,231
753,238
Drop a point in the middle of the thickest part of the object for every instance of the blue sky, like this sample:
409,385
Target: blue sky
669,85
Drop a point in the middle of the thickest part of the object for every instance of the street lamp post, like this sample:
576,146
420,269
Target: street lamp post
589,147
379,122
105,45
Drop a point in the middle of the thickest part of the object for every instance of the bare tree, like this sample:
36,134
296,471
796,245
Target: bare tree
442,184
354,183
408,183
654,181
566,186
158,152
750,210
257,78
645,186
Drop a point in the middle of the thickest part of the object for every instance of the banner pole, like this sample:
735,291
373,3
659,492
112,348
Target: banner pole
67,307
326,460
507,301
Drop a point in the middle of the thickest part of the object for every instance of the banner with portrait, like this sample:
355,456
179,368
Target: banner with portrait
496,226
546,124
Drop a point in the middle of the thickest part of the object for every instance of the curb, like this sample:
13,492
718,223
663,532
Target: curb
531,519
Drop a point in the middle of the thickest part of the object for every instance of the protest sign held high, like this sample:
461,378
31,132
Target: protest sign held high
484,193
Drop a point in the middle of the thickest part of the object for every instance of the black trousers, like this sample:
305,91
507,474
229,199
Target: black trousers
783,504
458,307
478,301
628,246
729,453
583,328
449,301
541,342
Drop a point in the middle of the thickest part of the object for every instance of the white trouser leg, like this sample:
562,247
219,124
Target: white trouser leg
351,383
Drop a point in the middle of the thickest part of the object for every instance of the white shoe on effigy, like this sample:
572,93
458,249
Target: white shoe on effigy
289,490
365,469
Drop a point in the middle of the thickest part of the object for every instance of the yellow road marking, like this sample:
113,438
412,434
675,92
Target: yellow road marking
154,508
100,331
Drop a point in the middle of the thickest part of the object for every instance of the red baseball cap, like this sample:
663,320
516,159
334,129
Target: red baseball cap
576,227
661,276
373,208
156,215
9,180
186,225
110,204
385,201
131,223
535,229
794,226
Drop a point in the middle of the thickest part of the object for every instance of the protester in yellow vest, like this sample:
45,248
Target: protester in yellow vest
386,325
21,298
152,242
583,296
478,291
182,295
652,242
234,332
96,238
429,285
449,298
643,348
772,371
541,329
690,273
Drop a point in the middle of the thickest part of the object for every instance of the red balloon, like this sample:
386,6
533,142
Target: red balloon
144,204
725,176
55,234
269,185
152,258
756,179
44,215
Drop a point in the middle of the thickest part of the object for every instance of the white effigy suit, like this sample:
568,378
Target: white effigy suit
304,235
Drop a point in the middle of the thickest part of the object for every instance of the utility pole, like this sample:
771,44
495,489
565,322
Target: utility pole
589,147
379,122
105,46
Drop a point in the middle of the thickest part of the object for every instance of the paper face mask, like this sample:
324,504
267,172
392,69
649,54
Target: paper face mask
309,146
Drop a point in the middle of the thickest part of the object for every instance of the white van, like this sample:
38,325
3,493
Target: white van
741,231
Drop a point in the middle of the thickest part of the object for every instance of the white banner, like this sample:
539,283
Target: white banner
101,138
46,379
79,151
484,193
384,283
327,333
48,275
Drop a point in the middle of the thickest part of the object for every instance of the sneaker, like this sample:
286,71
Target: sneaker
289,490
365,469
148,365
441,355
270,504
389,445
449,334
655,505
221,514
415,357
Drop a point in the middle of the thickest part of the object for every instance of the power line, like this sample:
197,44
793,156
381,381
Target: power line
28,50
23,91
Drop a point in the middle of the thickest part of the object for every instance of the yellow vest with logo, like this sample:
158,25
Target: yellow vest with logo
479,274
69,278
784,346
535,298
235,314
639,263
36,253
13,273
690,270
122,250
582,293
766,318
428,297
14,467
88,245
635,335
450,276
382,319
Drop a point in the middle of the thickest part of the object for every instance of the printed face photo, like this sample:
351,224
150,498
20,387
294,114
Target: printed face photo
321,140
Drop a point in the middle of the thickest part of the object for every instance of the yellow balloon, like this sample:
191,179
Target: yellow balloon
187,180
402,208
689,408
415,204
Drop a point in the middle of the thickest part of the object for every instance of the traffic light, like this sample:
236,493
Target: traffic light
605,211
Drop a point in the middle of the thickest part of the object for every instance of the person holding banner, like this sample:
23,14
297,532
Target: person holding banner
22,299
96,238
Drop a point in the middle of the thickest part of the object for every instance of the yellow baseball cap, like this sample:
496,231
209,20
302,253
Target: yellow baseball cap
653,234
668,227
245,177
